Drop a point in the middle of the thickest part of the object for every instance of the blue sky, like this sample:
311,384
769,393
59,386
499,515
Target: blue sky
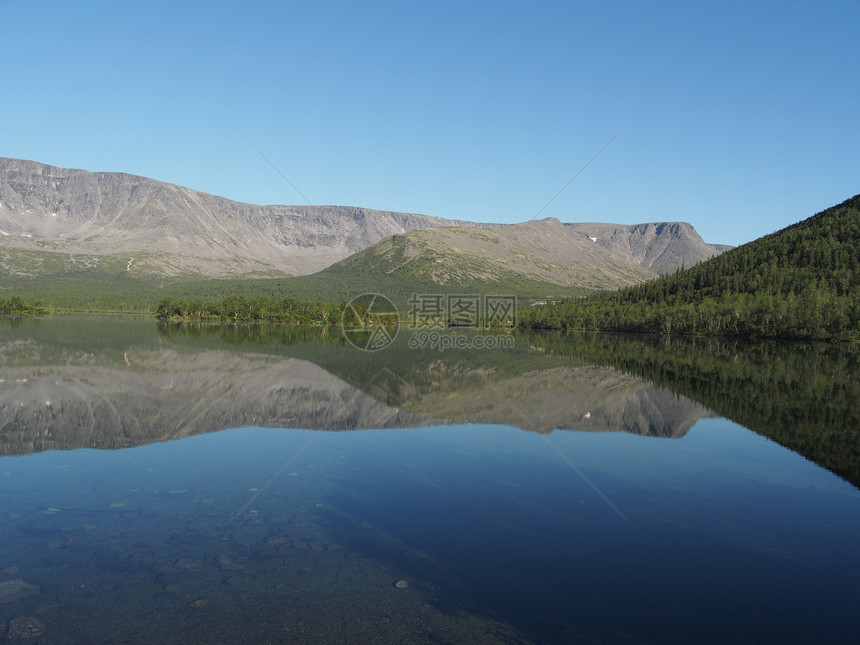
738,117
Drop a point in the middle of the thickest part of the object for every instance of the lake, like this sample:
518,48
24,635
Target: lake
218,484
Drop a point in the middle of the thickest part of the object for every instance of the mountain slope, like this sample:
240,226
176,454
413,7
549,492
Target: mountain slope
537,252
802,281
171,230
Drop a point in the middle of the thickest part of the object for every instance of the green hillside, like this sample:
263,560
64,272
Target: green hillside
103,285
537,259
800,282
368,272
99,291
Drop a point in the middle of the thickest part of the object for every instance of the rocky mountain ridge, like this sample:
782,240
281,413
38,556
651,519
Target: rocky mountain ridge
152,227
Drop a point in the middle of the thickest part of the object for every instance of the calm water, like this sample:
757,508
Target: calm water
515,496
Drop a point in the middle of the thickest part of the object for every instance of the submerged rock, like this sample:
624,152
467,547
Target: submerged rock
26,627
15,590
226,564
186,564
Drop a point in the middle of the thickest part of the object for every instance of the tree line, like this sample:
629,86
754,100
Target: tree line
16,306
254,309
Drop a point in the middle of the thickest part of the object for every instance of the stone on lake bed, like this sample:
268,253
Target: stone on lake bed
26,627
226,564
15,590
401,584
187,564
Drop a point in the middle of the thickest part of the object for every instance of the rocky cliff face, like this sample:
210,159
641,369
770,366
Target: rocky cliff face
659,247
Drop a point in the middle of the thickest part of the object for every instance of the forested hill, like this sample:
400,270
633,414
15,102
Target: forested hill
800,282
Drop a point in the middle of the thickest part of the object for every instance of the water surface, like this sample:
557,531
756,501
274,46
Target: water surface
518,496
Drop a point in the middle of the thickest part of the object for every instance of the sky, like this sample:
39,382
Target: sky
738,117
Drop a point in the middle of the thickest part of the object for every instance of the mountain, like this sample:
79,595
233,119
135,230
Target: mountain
101,241
544,251
659,247
59,220
800,282
166,229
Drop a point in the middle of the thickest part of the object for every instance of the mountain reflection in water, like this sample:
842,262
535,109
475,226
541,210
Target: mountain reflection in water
62,393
